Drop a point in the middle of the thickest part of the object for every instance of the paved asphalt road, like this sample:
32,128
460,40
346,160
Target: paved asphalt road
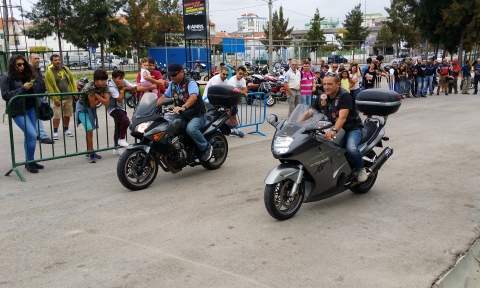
75,225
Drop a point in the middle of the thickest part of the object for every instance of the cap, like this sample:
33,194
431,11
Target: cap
455,60
174,68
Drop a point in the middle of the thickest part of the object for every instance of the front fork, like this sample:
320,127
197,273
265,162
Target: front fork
298,181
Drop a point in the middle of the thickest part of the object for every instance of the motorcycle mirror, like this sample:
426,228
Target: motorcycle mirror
167,101
272,119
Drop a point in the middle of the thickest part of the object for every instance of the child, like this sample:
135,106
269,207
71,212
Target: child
144,72
345,81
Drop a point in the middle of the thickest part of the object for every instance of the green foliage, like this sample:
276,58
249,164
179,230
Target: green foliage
281,34
355,33
40,49
329,48
315,34
385,38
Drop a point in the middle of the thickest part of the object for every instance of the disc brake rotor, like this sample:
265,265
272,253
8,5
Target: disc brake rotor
283,198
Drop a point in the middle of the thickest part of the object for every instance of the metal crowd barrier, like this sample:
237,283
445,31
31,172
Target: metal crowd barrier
385,82
53,151
253,112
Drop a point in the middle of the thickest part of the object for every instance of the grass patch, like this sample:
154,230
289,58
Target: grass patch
129,75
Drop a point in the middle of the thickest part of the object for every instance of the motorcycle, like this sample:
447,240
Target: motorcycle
313,168
163,141
258,83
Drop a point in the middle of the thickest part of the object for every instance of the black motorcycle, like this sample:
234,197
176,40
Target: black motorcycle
163,141
313,168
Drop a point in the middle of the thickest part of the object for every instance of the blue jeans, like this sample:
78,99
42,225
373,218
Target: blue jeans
27,124
428,85
353,139
193,130
420,86
304,99
355,92
41,130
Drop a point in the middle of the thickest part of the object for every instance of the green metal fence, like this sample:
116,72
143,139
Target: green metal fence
52,151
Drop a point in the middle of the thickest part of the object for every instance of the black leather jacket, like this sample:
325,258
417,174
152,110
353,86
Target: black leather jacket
10,88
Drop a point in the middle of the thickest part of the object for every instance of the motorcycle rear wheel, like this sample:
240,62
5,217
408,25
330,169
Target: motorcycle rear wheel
127,167
279,205
220,151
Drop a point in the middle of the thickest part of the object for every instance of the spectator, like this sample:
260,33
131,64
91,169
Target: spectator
355,75
117,85
198,69
370,76
144,74
239,82
307,84
39,88
476,78
23,111
95,92
454,72
466,77
219,79
59,79
230,72
292,85
155,77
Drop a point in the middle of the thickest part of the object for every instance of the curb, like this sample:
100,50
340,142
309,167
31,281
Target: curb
465,273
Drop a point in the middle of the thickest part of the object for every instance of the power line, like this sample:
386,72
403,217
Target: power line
238,8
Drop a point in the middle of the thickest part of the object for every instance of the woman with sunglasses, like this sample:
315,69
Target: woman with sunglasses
17,81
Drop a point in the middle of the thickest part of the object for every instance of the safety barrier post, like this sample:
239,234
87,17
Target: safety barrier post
52,155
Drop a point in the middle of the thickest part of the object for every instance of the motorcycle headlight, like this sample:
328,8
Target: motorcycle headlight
142,126
281,144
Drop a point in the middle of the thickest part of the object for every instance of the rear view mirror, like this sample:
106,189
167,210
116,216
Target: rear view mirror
272,119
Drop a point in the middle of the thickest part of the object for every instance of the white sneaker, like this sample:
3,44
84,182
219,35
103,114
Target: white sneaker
361,175
68,133
55,136
123,143
117,152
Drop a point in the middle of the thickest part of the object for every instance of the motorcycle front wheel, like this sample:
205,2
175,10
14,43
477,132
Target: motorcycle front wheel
270,100
279,204
220,151
129,172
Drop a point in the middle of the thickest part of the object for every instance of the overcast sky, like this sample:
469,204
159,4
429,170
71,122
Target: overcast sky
224,13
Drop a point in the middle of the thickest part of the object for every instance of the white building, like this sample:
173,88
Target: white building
373,20
251,23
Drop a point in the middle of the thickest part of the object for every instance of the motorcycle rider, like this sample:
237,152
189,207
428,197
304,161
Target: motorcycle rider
339,107
188,102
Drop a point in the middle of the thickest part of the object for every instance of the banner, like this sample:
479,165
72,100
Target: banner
195,19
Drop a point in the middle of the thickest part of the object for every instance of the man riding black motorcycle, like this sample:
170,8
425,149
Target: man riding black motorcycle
339,107
188,103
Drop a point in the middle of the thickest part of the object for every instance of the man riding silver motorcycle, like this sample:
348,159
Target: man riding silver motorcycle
339,107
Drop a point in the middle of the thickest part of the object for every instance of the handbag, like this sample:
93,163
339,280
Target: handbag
45,112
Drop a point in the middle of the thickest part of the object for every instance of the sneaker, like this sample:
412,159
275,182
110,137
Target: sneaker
118,152
237,132
240,133
68,133
47,141
207,154
91,158
123,143
55,136
361,175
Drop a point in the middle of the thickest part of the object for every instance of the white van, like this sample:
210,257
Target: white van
75,60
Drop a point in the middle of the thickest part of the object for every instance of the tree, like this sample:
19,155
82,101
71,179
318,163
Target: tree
315,34
385,38
281,34
49,17
355,34
95,23
170,20
402,22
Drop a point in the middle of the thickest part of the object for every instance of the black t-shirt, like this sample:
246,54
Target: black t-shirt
331,108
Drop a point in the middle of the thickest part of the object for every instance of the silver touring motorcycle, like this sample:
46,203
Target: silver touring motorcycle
312,168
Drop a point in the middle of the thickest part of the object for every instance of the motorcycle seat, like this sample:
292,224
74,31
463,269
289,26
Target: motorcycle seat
368,130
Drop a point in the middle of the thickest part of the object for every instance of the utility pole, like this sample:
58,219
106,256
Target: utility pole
270,39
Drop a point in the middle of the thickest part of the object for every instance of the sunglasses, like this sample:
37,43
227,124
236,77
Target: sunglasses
226,75
20,64
334,66
330,74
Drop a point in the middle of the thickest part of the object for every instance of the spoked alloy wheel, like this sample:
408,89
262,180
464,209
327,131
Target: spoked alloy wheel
220,151
279,204
270,100
129,173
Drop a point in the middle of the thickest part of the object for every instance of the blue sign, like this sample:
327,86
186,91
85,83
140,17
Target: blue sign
233,45
93,49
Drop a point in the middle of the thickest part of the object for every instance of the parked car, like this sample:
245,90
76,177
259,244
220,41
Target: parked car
75,60
96,64
44,63
336,59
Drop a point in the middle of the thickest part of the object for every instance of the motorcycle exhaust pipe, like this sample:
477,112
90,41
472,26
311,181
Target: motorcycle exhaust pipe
382,158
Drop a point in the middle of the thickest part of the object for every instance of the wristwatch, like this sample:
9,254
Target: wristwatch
184,106
334,129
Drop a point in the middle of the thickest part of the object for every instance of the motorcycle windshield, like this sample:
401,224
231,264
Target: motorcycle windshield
300,110
147,105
